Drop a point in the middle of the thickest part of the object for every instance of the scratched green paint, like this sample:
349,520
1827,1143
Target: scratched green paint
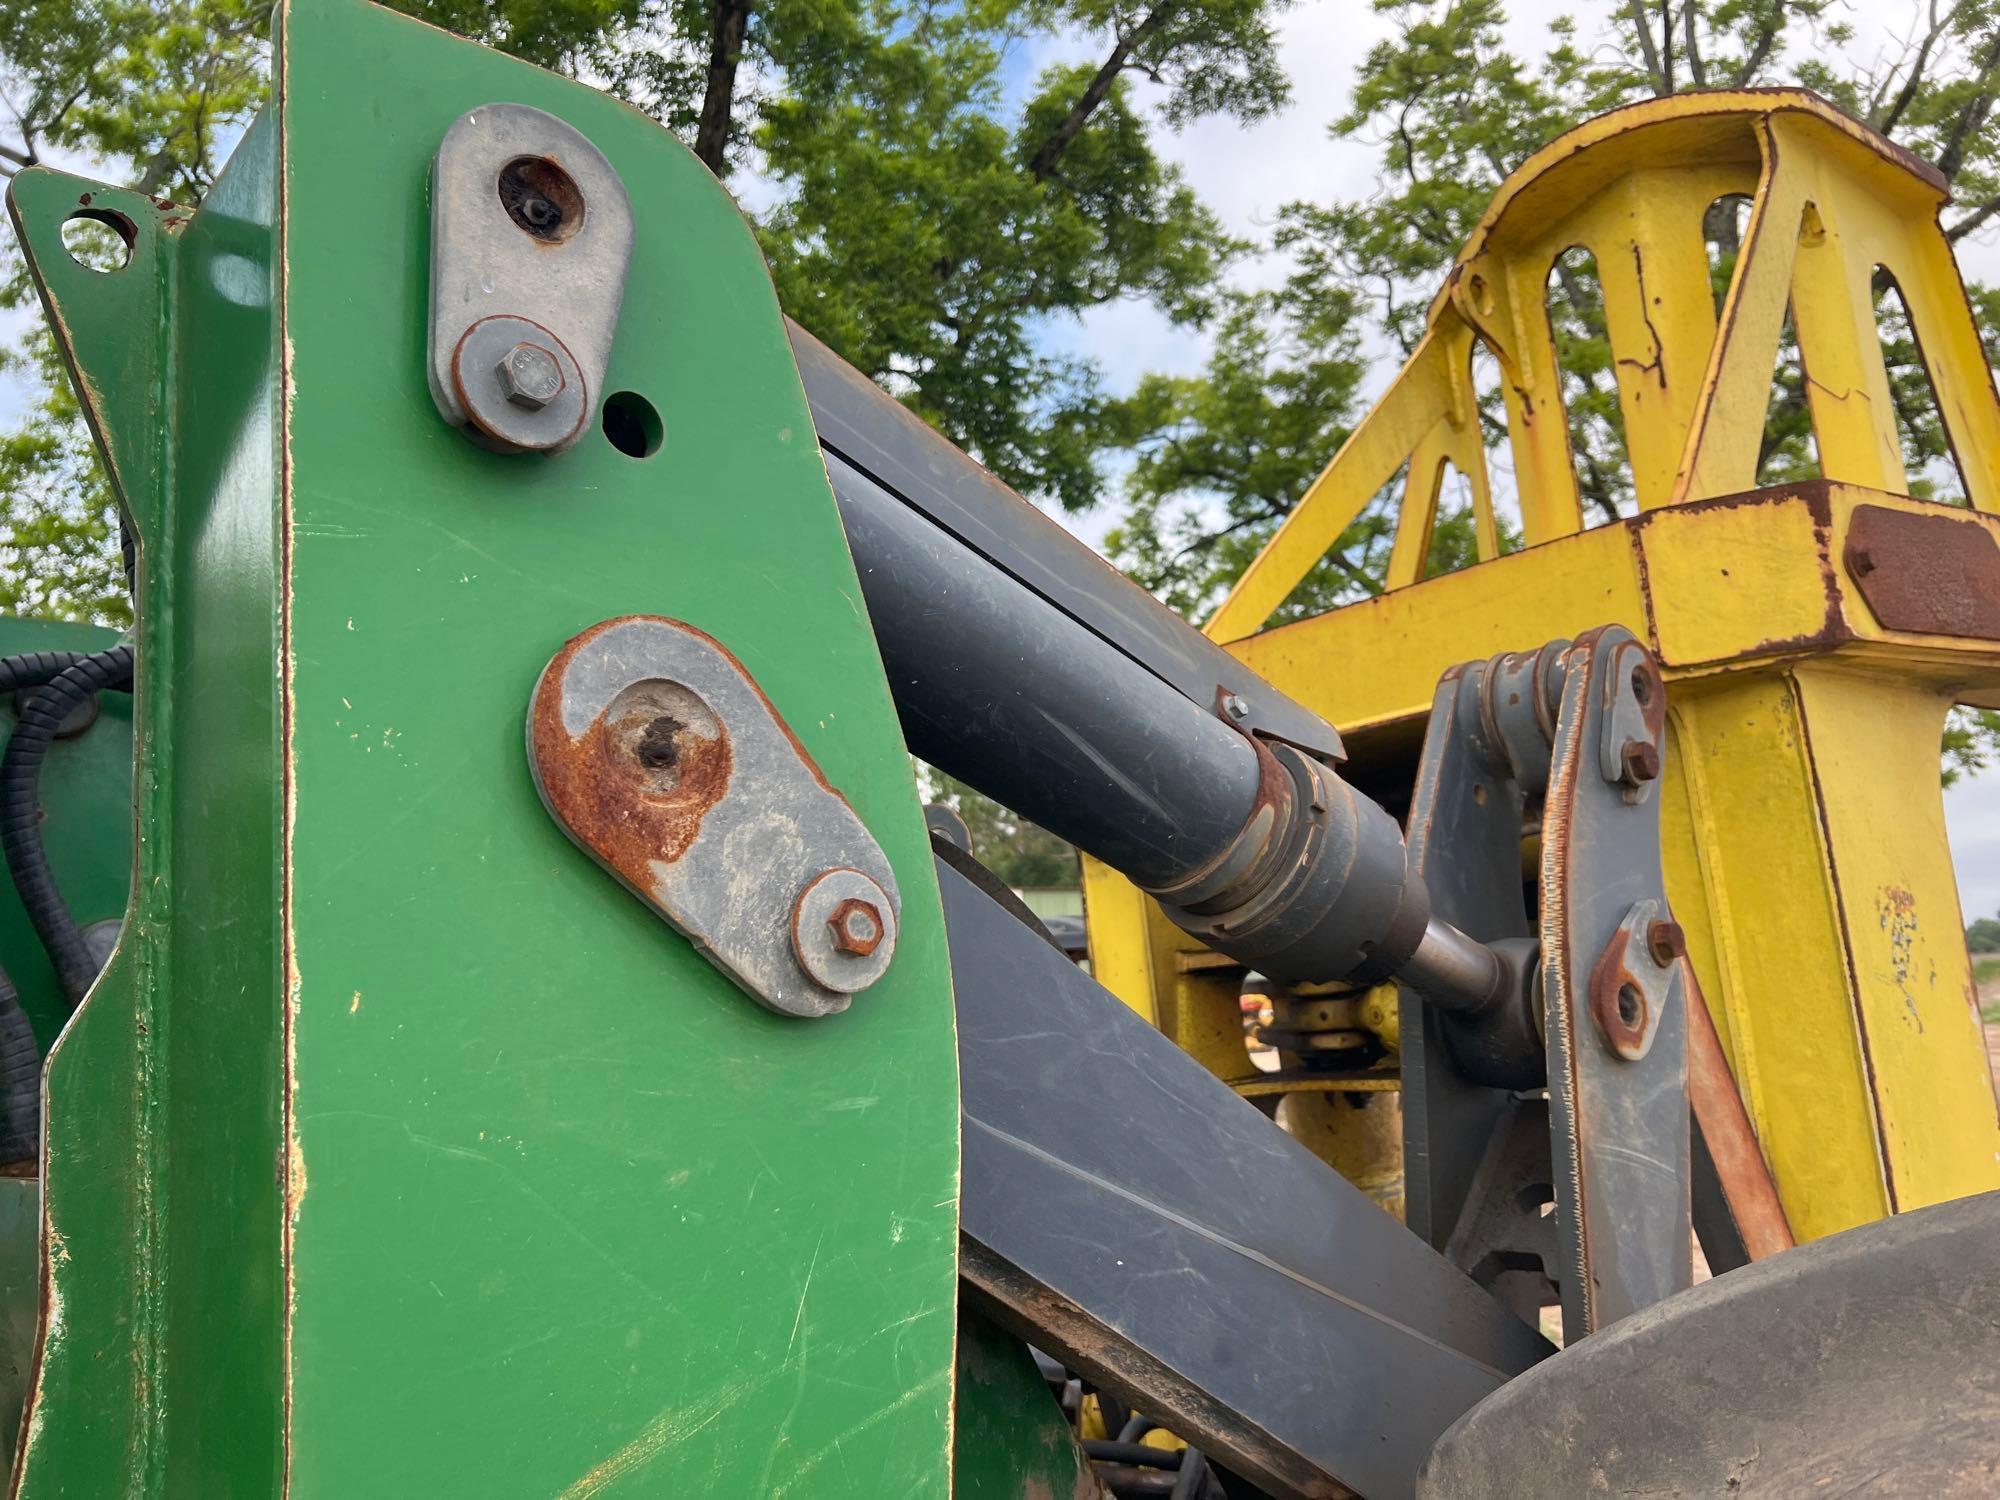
573,1216
578,1218
87,827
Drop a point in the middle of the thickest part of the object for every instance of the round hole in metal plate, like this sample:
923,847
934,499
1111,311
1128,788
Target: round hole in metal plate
98,239
541,198
632,426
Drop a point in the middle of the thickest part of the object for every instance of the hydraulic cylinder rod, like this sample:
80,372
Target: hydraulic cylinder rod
1252,844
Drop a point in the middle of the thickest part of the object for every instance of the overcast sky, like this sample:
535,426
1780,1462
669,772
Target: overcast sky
1246,175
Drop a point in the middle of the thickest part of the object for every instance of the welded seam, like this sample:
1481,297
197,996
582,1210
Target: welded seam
293,1159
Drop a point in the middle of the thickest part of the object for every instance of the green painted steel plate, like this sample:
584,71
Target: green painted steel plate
401,1151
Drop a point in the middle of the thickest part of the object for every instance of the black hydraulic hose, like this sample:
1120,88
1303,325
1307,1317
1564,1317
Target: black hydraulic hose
1193,1478
20,1055
1136,1454
1127,1483
20,807
33,669
20,1081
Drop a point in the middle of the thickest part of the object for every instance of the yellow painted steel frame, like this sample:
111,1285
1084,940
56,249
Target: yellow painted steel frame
1805,829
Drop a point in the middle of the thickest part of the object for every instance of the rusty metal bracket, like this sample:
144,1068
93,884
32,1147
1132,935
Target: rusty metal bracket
531,234
1634,717
1478,786
660,756
1618,1091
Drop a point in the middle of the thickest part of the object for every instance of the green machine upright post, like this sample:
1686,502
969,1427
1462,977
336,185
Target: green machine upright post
400,1151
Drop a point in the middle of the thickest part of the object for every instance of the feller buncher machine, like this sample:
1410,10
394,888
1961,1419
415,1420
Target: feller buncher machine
488,1018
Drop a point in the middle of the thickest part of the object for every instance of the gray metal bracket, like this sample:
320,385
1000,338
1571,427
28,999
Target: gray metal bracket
531,235
1567,738
1464,839
1618,1096
657,753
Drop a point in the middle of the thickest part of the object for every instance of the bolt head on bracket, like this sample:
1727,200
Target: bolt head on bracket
1634,719
531,376
840,934
856,927
520,387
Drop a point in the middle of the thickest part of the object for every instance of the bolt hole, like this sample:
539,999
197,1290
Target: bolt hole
98,239
659,747
632,426
1479,792
1631,1005
1642,686
541,198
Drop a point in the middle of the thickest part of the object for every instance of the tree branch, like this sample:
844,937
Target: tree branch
1972,119
731,23
1887,119
1764,39
1648,50
1667,45
1051,150
1973,220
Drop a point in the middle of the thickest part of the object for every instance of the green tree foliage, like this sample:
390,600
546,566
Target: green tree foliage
930,238
1020,853
160,88
1983,936
1281,389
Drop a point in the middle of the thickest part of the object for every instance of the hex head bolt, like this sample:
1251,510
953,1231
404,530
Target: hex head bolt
531,376
843,930
1666,942
1641,760
857,927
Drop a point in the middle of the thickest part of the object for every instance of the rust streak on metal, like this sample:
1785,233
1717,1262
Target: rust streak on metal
635,786
1732,1144
1816,496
